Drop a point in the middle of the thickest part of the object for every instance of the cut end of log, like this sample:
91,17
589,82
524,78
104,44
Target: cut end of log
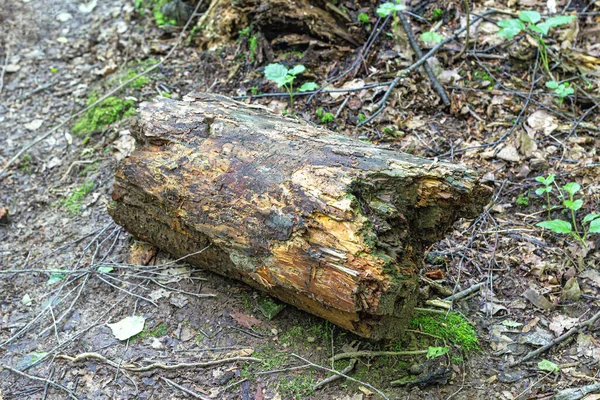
326,223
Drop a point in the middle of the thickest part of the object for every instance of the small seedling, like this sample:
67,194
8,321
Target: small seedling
325,117
285,77
252,47
363,18
547,182
361,118
438,13
391,8
523,200
254,90
590,223
512,27
561,89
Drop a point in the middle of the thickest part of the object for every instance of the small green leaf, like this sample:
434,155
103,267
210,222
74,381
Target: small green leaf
275,72
559,20
550,179
308,86
432,37
297,70
552,84
573,205
572,188
549,366
540,179
105,270
595,226
386,9
56,276
556,226
542,28
434,352
540,191
530,16
511,324
590,217
510,28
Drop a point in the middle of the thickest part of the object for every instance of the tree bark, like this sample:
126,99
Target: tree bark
329,224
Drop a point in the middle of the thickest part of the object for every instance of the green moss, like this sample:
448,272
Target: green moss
298,387
139,82
454,328
157,331
105,113
25,164
72,204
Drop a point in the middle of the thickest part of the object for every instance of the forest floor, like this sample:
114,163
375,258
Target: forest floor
67,271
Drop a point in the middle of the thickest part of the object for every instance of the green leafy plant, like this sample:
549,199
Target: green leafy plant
361,118
431,37
252,47
523,200
589,224
434,352
391,8
547,182
285,77
561,89
73,202
325,117
530,22
438,13
363,18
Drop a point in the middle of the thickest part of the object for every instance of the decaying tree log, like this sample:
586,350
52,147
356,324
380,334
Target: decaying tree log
326,223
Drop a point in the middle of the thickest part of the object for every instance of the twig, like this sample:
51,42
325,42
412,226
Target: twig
379,392
101,99
126,291
4,68
559,339
468,11
415,46
183,389
576,393
170,367
466,292
40,379
335,377
286,94
365,353
419,62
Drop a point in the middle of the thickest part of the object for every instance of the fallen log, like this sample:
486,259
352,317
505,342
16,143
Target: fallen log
329,224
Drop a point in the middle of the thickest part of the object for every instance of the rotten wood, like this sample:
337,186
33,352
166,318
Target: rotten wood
327,223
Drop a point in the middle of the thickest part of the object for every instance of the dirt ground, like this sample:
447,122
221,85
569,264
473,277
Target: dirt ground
55,341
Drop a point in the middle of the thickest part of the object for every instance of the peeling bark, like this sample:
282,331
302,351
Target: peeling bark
326,223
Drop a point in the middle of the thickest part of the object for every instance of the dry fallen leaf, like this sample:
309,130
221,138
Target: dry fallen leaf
244,320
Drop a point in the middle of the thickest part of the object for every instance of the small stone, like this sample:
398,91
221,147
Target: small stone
156,344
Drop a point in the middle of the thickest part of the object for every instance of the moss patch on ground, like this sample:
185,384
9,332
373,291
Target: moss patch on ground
111,110
453,328
72,204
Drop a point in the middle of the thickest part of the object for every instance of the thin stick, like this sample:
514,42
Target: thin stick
559,339
183,389
466,292
170,367
468,11
379,392
335,377
365,353
101,99
4,68
40,379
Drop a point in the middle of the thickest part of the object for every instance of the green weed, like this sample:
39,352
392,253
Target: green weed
285,77
72,204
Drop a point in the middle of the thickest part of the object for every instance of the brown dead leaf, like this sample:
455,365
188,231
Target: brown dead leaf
435,274
561,323
571,291
538,300
247,321
591,274
141,253
530,325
